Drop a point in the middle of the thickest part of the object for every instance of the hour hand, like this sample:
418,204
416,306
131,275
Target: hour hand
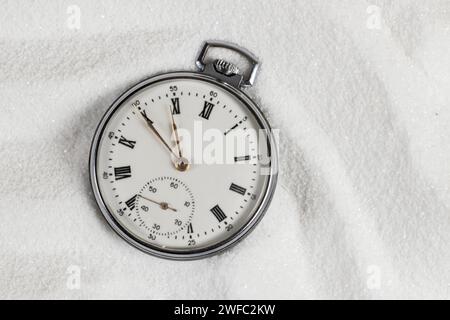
152,127
146,118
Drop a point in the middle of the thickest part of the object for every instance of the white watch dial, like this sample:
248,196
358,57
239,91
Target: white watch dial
182,165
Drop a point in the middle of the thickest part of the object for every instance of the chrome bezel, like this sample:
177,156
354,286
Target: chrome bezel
195,253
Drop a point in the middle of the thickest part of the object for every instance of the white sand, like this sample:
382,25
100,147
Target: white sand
362,102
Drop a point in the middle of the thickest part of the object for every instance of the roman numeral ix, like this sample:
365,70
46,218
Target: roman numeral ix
238,189
126,142
122,172
207,109
218,213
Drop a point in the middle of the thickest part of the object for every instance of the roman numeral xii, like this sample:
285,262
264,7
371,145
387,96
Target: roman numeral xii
207,109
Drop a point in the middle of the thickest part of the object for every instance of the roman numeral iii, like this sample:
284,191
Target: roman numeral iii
238,189
243,158
131,203
175,106
122,172
218,213
207,109
126,142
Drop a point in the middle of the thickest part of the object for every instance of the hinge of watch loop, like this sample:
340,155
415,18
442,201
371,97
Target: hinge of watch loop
224,70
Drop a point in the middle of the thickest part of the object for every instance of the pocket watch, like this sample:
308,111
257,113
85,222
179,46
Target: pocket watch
183,165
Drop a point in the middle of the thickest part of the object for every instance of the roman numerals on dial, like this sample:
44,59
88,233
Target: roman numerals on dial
190,229
238,189
122,172
218,213
243,158
207,109
131,203
175,106
126,142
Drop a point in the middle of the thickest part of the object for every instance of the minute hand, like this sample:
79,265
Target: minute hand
175,132
152,127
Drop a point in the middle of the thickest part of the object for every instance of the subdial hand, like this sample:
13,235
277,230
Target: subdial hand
162,205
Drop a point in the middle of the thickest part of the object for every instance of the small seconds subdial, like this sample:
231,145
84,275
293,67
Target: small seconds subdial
164,207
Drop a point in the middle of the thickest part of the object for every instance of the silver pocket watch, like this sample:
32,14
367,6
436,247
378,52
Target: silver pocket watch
183,165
